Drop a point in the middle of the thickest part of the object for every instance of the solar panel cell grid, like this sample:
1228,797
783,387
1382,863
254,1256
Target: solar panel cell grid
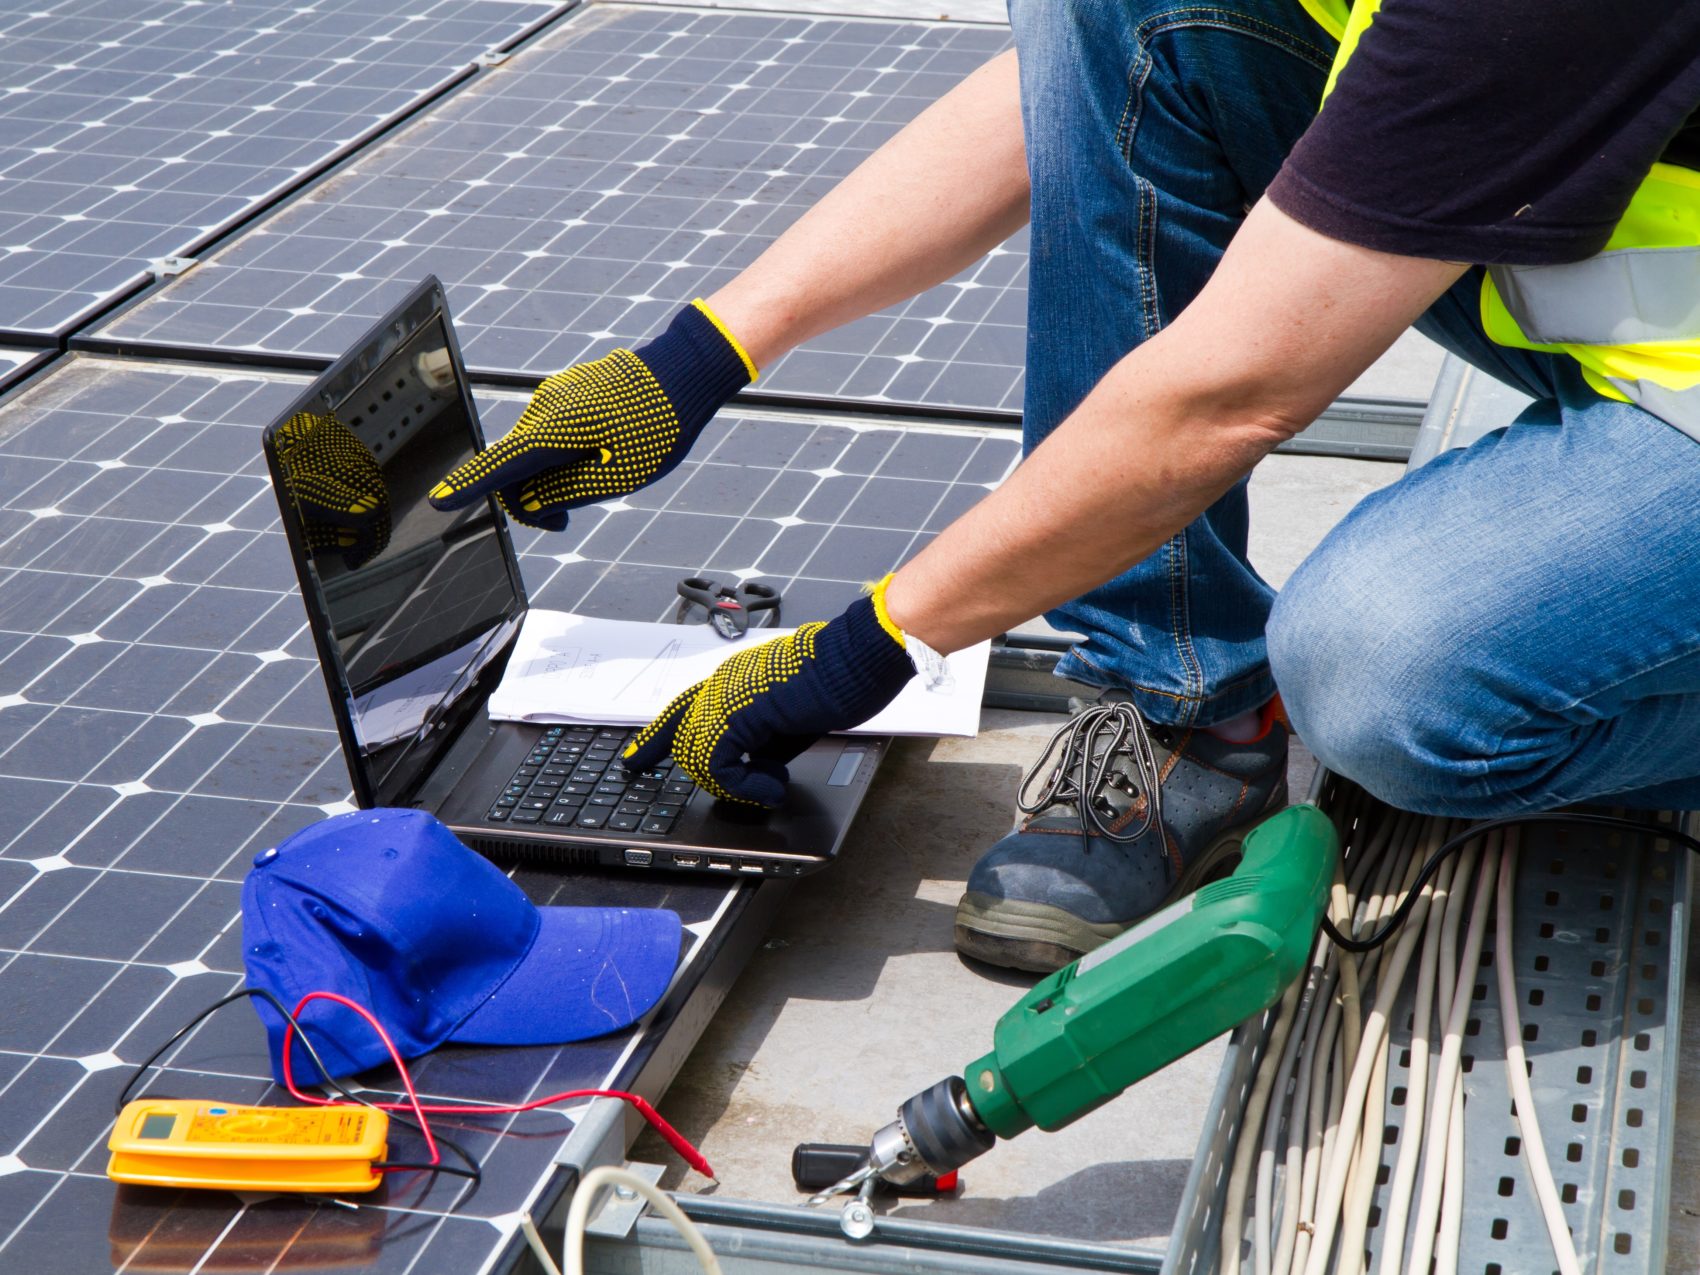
814,508
162,718
632,159
133,132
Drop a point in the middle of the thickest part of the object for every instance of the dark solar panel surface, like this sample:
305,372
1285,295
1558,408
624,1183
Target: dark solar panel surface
162,719
814,509
135,130
632,159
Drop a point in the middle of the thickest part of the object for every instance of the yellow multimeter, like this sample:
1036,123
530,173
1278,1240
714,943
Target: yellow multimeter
175,1142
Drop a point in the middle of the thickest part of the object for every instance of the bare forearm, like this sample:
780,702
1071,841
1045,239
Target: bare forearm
1287,321
947,189
1135,464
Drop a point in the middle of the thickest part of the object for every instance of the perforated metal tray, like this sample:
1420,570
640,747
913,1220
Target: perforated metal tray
1601,932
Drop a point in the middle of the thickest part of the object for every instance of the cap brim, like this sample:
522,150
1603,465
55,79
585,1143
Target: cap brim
590,972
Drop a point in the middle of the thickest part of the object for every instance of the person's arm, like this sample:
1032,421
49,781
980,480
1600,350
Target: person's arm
929,203
1287,321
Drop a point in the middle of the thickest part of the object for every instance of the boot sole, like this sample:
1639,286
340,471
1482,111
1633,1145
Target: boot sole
1042,938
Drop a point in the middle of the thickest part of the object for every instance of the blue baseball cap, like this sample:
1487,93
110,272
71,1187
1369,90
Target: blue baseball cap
387,908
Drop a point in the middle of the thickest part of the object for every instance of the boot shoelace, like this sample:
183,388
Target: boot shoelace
1085,750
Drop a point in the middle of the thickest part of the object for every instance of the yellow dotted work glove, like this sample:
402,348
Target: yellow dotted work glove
734,731
606,428
337,485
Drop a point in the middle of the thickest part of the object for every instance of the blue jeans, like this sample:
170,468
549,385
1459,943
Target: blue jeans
1512,627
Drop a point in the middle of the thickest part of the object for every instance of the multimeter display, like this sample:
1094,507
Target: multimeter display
156,1126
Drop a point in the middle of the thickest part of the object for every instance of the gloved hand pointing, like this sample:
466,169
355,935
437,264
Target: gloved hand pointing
606,428
734,731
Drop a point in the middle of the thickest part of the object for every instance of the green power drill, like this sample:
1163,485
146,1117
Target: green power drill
1177,979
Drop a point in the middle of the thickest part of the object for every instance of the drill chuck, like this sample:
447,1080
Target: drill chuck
939,1131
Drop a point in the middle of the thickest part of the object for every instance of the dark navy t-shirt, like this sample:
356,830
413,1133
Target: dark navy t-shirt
1500,131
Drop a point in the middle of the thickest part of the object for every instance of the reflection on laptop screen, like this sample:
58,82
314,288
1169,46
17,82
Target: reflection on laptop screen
413,596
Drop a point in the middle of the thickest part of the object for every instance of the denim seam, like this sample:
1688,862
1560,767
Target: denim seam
1239,23
1139,71
1258,674
1146,236
1206,17
1180,618
1145,222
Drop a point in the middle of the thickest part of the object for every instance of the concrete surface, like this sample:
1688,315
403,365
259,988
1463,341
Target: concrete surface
1407,370
1295,500
858,998
858,1001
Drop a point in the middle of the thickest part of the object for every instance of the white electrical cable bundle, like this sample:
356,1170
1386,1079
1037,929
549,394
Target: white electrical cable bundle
1349,1149
1309,1156
1416,1082
1320,1127
1516,1067
578,1218
1308,1119
1305,1172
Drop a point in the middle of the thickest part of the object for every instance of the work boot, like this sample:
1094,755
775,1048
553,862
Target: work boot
1121,817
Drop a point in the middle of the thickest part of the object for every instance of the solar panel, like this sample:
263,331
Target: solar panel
632,159
814,508
141,130
162,718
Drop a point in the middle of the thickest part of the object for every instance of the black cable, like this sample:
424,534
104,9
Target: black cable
473,1170
1403,911
241,993
475,1175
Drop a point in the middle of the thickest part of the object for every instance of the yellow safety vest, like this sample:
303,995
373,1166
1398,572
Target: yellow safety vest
1630,314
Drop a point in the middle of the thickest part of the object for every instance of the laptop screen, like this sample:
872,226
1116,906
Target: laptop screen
412,602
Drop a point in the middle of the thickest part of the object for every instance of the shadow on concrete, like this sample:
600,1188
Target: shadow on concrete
891,895
893,891
997,973
858,999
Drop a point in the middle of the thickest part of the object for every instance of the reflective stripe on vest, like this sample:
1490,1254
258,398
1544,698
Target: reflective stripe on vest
1330,15
1680,408
1630,315
1615,298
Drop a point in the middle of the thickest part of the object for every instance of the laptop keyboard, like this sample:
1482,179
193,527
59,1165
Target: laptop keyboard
573,778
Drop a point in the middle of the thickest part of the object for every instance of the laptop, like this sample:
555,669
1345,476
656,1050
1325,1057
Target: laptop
415,612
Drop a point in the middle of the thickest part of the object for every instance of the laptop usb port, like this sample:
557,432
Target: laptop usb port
640,858
720,865
687,860
756,868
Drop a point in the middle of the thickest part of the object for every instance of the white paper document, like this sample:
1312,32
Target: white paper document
574,668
